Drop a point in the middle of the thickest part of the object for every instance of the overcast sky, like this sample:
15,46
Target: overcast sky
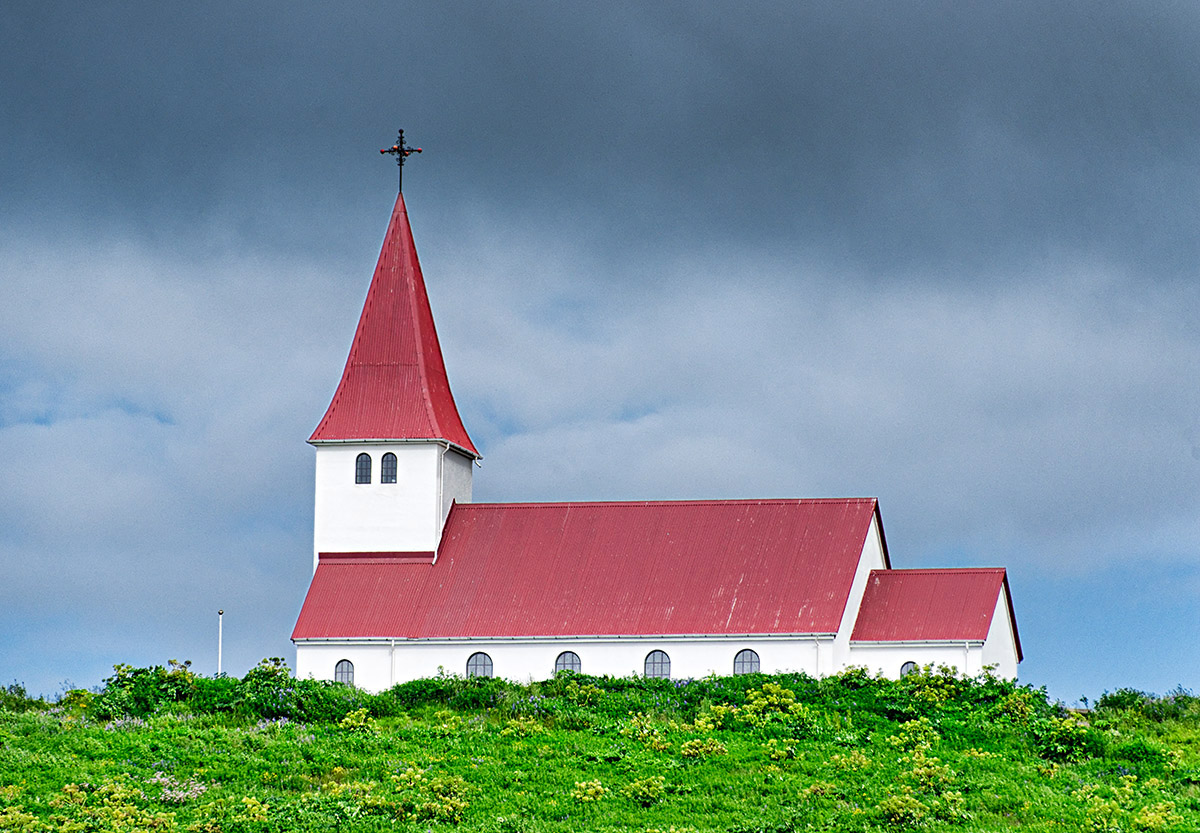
942,254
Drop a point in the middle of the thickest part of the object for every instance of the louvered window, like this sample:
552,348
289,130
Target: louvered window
362,468
658,664
387,468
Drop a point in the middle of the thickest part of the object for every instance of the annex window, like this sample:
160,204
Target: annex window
907,668
658,664
746,662
479,665
362,468
343,672
568,661
387,468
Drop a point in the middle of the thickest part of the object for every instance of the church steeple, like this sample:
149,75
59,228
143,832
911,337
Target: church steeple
394,385
392,452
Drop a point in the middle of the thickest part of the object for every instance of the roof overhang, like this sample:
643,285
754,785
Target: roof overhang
908,643
393,441
1012,617
887,559
589,638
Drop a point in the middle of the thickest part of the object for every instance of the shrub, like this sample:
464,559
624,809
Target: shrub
1148,755
1123,699
216,695
645,791
1179,704
1066,738
433,691
77,699
702,748
903,809
129,692
356,721
267,689
14,698
422,796
588,792
478,692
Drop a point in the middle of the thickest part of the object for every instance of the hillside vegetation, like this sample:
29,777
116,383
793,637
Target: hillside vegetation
163,749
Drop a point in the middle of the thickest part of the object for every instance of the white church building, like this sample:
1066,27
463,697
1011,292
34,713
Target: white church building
411,578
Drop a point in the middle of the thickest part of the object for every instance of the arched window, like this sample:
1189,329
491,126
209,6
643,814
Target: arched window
387,468
362,468
343,672
908,668
479,665
568,661
746,662
658,664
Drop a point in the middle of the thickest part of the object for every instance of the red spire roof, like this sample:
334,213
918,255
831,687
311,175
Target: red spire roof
394,386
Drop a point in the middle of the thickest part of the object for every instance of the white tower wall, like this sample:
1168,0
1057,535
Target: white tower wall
405,516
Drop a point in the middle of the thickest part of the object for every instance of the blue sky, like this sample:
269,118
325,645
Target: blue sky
941,254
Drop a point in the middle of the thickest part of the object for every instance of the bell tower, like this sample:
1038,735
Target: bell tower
392,452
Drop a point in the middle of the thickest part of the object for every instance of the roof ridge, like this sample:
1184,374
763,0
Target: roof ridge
914,570
703,502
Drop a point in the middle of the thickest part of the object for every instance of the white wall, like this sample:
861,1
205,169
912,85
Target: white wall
405,516
870,559
457,470
378,666
886,657
1000,649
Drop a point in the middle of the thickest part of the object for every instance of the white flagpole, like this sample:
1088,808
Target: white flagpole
220,637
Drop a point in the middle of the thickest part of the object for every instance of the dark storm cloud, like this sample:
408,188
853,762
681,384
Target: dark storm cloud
913,137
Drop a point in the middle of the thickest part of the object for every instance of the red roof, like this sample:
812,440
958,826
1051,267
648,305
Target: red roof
578,569
917,605
394,386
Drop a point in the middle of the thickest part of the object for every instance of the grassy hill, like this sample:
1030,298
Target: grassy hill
163,749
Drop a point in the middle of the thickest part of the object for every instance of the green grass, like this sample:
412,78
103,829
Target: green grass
163,749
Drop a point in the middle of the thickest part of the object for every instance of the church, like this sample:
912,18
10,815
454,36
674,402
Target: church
412,579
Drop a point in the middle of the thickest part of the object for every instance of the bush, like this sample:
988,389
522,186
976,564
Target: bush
14,698
1123,699
1148,756
217,695
1067,738
478,692
434,691
1180,704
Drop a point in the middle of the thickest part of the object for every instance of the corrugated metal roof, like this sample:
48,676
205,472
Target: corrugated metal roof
394,386
576,569
902,605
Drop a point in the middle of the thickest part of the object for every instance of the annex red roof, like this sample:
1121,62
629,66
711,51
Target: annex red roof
904,605
578,569
394,386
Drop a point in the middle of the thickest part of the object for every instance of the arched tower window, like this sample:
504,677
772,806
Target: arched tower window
658,664
568,661
746,662
479,665
387,468
343,672
362,468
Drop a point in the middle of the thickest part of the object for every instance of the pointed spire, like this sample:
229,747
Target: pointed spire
394,386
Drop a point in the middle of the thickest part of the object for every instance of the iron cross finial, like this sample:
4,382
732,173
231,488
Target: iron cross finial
401,151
